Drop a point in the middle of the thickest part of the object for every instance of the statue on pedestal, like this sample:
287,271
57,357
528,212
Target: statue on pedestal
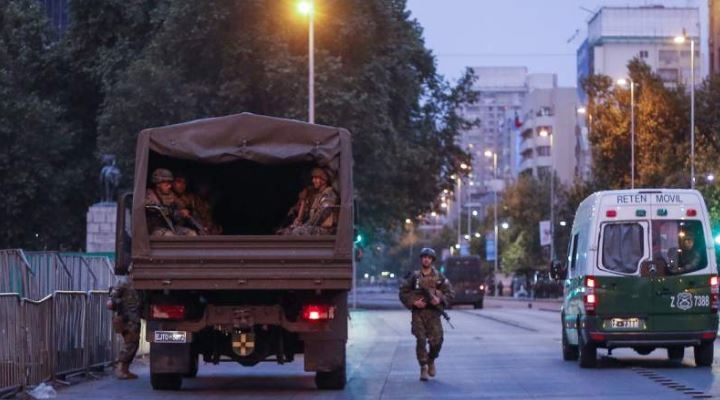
109,178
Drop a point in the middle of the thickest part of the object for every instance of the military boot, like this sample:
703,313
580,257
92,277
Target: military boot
431,368
123,372
424,373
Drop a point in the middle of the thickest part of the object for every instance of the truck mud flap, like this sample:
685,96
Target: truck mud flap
170,358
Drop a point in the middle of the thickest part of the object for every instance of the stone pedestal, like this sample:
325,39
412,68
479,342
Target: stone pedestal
101,223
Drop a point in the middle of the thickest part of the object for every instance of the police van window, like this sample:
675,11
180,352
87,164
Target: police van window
679,246
573,252
622,247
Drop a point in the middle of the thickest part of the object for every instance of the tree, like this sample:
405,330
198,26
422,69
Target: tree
373,76
36,141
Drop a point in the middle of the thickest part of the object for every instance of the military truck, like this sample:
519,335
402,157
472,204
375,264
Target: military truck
248,294
467,278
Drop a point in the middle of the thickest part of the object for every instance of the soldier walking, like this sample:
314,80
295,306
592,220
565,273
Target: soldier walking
125,302
426,292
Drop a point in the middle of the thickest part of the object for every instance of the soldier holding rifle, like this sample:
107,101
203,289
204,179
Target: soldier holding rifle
165,212
426,292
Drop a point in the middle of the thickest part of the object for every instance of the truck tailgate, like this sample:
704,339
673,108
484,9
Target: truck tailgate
243,262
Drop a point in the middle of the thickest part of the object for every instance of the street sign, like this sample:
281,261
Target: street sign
490,249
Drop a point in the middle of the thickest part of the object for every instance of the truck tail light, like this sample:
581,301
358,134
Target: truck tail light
714,293
167,311
318,312
590,298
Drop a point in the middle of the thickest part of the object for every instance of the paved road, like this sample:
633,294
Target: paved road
505,351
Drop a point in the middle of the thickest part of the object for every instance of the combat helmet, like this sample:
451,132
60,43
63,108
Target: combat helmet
162,175
426,251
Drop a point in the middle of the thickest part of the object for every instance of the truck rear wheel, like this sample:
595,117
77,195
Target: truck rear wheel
704,354
165,381
331,380
587,353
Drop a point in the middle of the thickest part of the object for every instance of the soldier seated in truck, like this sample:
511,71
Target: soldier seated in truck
322,216
164,211
299,212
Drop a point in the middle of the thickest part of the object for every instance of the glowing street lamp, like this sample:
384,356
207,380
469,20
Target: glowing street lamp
307,7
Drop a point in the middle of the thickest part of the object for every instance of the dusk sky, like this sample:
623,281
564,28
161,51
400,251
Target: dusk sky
542,35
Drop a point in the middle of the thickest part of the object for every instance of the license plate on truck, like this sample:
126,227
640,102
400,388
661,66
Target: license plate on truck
170,337
624,323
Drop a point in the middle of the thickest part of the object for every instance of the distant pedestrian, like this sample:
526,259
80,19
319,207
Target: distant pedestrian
500,288
125,302
426,292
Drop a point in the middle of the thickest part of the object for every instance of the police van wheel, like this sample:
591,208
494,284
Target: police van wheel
587,353
570,352
676,353
704,354
166,381
331,380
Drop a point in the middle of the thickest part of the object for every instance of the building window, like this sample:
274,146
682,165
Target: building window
643,54
668,74
668,57
543,151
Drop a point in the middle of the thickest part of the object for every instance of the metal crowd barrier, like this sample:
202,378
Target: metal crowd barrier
67,331
15,273
50,272
12,377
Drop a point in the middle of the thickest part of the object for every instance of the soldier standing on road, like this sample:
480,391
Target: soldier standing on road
125,302
425,292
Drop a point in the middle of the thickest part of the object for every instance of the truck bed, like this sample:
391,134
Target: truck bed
243,262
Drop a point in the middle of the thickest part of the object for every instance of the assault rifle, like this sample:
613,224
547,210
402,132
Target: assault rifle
427,296
165,214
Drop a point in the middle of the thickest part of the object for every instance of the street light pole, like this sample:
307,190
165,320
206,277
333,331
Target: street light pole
692,114
632,128
488,153
311,65
547,133
682,39
308,7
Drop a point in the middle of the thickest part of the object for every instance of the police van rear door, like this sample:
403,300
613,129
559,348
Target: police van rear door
681,286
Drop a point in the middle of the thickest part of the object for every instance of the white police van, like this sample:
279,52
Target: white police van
640,273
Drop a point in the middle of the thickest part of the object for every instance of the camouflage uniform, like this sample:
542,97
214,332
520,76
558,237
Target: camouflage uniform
426,325
322,215
156,223
125,301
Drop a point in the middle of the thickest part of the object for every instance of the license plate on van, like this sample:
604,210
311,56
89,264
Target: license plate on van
170,336
624,323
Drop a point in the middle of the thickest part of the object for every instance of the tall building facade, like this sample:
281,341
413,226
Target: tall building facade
548,138
618,34
714,36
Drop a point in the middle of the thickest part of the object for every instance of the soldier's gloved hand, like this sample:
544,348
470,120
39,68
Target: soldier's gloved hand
419,303
184,213
435,300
